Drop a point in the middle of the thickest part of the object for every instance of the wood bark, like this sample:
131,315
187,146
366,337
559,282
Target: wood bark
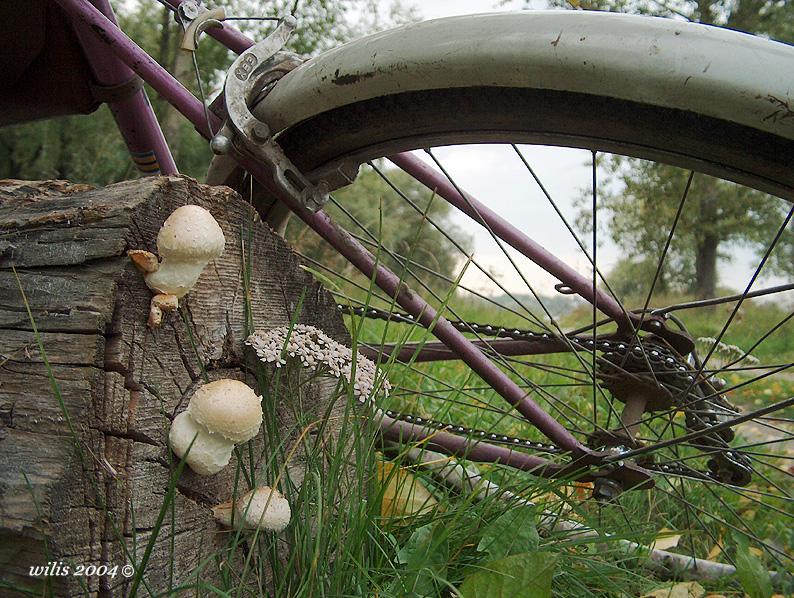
79,495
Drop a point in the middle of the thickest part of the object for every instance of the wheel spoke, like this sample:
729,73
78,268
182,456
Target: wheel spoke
571,383
515,267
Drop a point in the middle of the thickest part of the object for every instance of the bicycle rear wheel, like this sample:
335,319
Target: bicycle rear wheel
702,481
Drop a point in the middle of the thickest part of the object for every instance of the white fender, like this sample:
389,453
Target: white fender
663,62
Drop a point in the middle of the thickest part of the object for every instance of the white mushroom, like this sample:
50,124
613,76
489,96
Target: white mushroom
263,508
189,239
221,414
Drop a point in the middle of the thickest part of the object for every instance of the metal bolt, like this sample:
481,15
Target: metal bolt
718,383
606,490
260,132
220,144
189,10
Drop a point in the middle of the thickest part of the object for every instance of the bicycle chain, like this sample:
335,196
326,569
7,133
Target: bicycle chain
490,437
668,372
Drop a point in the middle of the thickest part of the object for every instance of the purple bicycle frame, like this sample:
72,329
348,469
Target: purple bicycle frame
89,18
118,84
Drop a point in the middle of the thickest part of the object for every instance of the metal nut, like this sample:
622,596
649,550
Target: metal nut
189,10
260,132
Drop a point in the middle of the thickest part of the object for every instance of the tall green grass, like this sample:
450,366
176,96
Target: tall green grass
340,544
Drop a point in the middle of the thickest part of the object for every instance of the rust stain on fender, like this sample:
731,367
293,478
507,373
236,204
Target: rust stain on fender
351,78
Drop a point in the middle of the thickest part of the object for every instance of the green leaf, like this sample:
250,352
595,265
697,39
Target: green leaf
526,575
512,532
425,557
752,574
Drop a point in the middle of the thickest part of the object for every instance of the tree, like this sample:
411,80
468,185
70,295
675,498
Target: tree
89,148
402,229
637,204
771,18
717,214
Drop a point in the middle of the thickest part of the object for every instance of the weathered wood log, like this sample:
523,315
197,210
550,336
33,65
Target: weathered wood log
78,495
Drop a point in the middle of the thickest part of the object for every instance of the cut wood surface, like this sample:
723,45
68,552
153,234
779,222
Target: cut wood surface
121,383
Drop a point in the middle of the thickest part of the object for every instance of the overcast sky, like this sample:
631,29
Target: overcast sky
447,8
495,175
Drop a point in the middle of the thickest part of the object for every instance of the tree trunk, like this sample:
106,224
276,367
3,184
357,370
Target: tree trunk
181,69
707,245
76,496
166,20
706,267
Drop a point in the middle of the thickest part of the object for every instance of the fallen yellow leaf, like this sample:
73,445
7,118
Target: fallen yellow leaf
404,495
715,551
690,589
666,539
582,490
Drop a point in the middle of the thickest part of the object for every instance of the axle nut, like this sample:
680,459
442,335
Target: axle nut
606,490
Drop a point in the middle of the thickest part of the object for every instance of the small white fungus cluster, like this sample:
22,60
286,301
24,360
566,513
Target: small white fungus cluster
313,348
723,353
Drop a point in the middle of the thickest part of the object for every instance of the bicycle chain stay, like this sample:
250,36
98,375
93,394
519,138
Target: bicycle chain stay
670,373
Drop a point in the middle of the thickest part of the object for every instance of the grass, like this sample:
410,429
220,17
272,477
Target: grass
340,543
364,553
717,522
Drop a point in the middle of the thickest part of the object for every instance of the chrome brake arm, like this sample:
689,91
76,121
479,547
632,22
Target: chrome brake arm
244,133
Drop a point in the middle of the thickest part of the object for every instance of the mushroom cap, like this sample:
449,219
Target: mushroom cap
190,233
208,454
228,408
263,508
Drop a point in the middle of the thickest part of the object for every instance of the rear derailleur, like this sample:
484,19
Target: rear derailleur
648,376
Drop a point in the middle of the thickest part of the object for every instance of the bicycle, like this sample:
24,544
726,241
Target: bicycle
697,101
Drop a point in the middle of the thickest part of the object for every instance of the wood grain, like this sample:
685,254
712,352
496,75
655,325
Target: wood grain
119,382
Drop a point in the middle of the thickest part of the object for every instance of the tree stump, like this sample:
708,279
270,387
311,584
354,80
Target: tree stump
72,495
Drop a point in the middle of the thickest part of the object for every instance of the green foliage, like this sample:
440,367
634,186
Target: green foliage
405,230
766,17
425,557
631,277
512,532
751,571
637,203
528,575
89,148
323,24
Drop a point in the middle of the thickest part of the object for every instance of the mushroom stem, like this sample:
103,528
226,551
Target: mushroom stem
160,304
